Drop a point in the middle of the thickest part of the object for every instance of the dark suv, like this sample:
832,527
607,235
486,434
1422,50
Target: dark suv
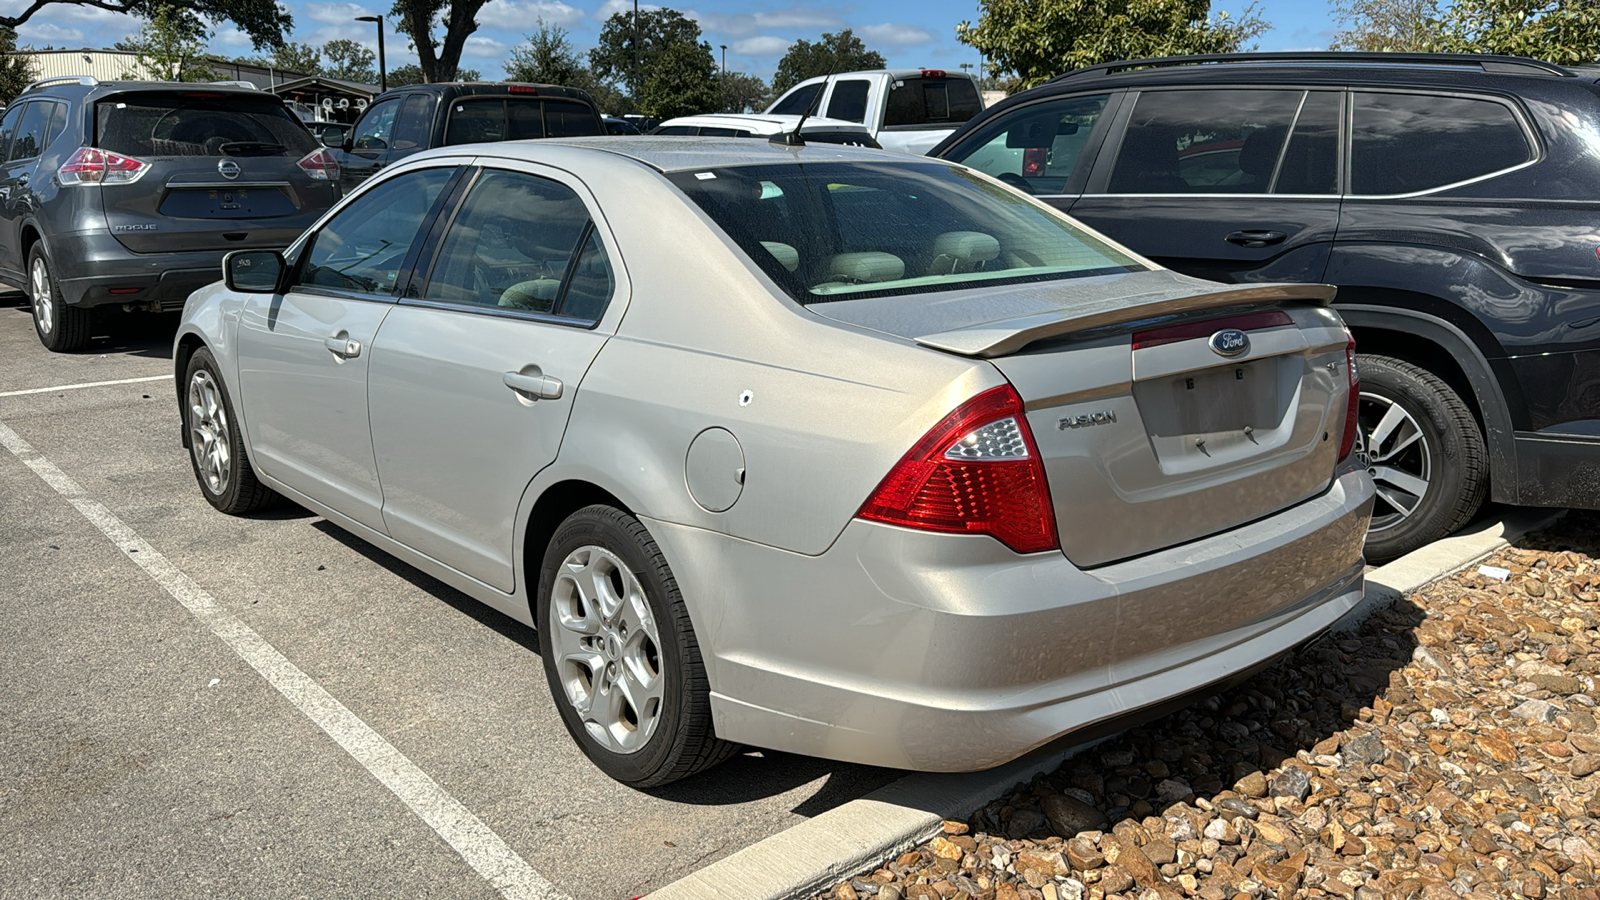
419,117
1453,199
127,194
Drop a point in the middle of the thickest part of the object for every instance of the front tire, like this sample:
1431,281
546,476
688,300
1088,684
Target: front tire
620,654
61,328
1425,453
216,446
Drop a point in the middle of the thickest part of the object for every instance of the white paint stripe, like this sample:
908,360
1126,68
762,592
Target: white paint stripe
482,849
87,384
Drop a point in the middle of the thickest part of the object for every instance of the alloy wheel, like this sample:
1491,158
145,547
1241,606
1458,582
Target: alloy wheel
607,648
1398,458
43,309
210,440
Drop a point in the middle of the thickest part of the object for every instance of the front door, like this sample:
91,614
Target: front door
304,354
473,379
1232,185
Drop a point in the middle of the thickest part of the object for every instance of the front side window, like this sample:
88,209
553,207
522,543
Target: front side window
30,133
1204,142
377,127
799,102
525,243
1403,143
1037,147
849,100
841,231
363,247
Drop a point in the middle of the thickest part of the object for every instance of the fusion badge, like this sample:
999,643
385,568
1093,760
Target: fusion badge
1230,342
1087,420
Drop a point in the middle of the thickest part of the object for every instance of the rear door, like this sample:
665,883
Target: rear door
224,171
39,123
1232,185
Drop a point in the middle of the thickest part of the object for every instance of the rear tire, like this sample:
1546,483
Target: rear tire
1426,454
620,654
216,445
61,328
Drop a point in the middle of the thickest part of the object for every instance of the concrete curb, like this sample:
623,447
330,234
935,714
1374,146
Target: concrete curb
826,849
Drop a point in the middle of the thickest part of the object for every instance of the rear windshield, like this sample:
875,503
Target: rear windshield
199,124
475,120
844,231
931,101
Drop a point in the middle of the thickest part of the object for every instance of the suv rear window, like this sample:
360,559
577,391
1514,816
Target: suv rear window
476,120
931,101
1403,143
172,123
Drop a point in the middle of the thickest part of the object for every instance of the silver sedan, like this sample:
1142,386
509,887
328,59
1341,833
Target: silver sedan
811,448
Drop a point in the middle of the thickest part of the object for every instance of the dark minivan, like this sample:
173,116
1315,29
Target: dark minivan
419,117
1454,200
127,194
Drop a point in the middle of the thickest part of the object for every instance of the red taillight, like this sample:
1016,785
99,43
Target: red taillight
523,89
90,165
1348,441
932,73
320,164
976,472
1033,160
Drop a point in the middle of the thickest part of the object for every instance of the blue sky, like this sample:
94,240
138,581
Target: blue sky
907,32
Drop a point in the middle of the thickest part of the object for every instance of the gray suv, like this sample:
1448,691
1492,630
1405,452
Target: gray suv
125,195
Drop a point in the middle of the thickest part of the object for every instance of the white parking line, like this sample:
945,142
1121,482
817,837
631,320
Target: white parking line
482,849
87,384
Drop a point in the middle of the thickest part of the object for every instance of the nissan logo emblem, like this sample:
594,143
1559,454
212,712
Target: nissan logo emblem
1230,342
228,169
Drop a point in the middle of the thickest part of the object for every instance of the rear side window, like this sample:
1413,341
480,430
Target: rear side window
849,100
1204,142
416,119
562,119
488,119
199,124
1311,162
1037,147
931,101
30,133
799,102
1403,143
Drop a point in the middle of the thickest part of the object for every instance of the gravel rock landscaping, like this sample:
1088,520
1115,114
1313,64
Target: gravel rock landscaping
1447,748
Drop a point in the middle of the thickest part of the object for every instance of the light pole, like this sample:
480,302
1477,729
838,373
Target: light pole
722,80
383,73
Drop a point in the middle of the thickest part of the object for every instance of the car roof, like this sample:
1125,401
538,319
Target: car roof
679,154
766,123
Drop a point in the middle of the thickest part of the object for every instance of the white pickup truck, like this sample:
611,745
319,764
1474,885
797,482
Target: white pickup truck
908,110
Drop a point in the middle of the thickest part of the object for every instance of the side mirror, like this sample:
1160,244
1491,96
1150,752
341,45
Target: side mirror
253,271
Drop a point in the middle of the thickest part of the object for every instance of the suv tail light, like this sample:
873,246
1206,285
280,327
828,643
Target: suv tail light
976,472
320,164
1348,441
91,165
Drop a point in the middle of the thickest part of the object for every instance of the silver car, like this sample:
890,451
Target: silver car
817,448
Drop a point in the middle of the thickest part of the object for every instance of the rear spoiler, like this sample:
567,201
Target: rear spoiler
1006,336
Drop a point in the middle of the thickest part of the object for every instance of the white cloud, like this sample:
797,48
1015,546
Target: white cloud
333,13
231,38
47,33
484,48
895,34
524,15
765,45
743,24
611,7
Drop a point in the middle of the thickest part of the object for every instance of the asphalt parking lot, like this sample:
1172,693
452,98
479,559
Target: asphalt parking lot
269,707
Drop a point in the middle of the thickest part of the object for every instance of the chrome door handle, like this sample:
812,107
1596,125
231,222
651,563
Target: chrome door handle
341,346
537,387
1256,238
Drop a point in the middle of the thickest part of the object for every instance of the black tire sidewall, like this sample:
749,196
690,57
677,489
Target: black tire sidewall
51,339
228,500
609,528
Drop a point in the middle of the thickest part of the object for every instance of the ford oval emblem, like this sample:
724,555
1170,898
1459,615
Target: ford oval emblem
228,169
1230,342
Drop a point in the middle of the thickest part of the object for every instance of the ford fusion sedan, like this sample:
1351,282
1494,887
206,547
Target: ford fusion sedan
817,449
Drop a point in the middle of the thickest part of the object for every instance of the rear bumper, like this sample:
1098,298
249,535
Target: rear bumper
950,653
89,266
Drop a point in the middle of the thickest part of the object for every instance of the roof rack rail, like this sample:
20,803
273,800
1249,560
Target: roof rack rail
85,80
1504,65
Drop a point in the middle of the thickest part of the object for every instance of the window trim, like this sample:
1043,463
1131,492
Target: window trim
1529,134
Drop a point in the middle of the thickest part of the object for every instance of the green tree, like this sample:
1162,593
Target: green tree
841,52
742,93
411,73
349,61
170,46
439,57
16,72
265,21
1561,31
299,59
1394,25
682,82
1036,40
659,30
547,57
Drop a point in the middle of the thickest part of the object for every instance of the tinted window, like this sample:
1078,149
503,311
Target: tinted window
840,231
474,121
30,134
512,246
8,128
920,101
376,129
199,123
1204,142
363,246
1311,163
849,100
416,119
524,120
1413,142
562,119
1036,147
58,123
674,130
799,102
712,131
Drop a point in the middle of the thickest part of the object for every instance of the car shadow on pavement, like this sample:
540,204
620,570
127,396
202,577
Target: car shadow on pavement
12,299
133,334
